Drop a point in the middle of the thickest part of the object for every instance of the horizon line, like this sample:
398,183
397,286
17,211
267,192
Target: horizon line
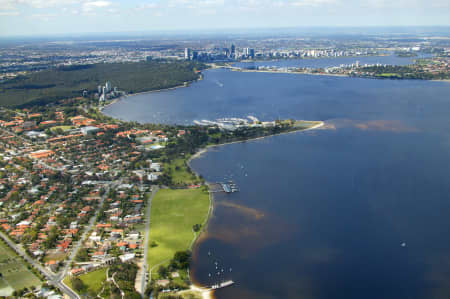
230,30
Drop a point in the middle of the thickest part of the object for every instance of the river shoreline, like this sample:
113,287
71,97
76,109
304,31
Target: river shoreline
185,84
287,72
205,149
311,58
331,75
207,293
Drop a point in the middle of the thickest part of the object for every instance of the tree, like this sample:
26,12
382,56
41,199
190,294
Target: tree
181,260
163,272
82,255
77,284
197,227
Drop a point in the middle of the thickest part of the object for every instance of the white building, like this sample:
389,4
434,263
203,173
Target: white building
152,177
89,130
155,167
127,257
94,237
187,53
108,86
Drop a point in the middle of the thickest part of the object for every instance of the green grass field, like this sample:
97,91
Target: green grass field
15,275
389,75
174,213
93,280
64,128
180,174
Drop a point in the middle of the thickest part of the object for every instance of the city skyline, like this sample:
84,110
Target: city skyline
39,17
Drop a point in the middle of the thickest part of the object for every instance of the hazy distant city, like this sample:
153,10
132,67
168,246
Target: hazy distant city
34,55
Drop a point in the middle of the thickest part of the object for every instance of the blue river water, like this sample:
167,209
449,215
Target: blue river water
358,209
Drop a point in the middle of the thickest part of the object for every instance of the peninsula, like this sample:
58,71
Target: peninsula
436,68
78,190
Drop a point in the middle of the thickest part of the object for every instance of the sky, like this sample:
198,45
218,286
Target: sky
48,17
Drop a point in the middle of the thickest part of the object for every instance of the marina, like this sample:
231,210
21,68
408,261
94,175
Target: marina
233,123
229,187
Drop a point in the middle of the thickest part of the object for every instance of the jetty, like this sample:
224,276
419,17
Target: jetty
222,285
229,187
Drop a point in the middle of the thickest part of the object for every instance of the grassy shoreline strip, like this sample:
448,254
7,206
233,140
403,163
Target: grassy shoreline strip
173,215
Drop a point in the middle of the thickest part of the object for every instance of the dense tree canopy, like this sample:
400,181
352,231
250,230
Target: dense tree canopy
66,82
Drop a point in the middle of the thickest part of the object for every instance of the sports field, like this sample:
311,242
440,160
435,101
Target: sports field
15,275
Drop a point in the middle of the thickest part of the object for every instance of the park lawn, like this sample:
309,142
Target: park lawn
180,174
16,275
187,294
64,128
93,280
174,213
388,75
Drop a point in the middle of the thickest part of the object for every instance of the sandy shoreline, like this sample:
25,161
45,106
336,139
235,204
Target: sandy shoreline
441,80
287,72
205,149
329,75
185,84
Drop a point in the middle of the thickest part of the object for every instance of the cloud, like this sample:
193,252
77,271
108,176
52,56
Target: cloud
85,5
90,6
9,13
402,4
148,6
44,16
312,2
203,6
195,4
46,3
97,4
7,5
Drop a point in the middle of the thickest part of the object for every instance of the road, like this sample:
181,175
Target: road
76,247
19,250
46,273
57,279
146,240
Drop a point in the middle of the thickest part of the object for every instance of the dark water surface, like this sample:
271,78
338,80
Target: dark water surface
323,213
224,93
